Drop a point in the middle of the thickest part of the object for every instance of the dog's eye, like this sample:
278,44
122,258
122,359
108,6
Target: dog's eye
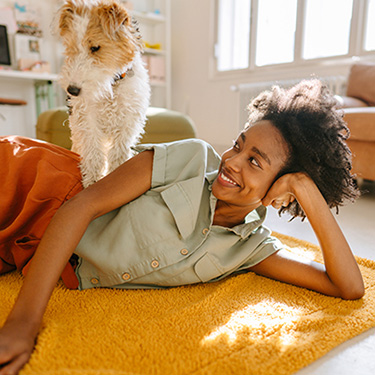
94,49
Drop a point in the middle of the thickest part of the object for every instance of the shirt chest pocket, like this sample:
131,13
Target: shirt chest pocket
172,212
152,222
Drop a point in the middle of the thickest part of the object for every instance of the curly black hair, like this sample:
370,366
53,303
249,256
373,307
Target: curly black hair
315,133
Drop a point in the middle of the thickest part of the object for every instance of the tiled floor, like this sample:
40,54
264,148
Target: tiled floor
357,221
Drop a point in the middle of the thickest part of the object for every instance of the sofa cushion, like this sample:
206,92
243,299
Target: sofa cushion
361,83
361,123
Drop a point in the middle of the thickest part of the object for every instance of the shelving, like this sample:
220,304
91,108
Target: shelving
153,51
16,74
153,17
148,17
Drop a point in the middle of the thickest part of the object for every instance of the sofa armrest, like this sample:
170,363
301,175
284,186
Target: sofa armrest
349,102
165,125
361,122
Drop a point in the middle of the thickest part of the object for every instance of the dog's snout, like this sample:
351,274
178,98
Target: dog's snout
73,90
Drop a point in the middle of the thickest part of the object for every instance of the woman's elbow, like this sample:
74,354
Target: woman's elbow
354,293
80,204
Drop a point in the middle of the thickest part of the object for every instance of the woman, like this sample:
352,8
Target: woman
176,214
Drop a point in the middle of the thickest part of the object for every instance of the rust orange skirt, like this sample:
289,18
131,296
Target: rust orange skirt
36,178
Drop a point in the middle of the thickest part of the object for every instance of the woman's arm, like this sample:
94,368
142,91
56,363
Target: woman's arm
63,234
340,275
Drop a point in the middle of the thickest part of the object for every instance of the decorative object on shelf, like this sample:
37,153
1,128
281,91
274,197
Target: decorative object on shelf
156,68
41,67
4,46
156,46
27,18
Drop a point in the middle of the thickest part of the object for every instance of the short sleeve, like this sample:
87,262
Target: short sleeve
181,160
268,247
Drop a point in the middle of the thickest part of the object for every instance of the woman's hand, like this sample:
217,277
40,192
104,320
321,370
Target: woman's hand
16,346
285,189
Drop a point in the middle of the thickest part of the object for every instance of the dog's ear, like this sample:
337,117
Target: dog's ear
66,17
112,17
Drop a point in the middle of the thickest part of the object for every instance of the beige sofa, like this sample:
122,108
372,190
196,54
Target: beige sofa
163,125
359,108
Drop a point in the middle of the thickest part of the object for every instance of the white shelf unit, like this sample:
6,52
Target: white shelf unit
154,21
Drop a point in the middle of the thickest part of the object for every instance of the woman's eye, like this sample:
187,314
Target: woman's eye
236,145
254,162
94,49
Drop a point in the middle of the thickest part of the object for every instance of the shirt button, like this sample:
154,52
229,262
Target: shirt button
205,231
154,264
94,281
125,276
184,251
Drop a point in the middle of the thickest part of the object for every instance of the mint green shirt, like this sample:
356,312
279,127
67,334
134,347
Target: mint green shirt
165,237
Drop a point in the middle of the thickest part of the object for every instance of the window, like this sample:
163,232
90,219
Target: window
326,35
256,33
233,34
275,31
370,27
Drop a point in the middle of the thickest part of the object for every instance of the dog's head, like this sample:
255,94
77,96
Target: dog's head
100,41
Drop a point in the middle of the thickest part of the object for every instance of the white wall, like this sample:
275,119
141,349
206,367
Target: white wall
210,103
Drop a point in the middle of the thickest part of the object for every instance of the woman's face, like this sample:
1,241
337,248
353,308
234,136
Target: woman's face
250,166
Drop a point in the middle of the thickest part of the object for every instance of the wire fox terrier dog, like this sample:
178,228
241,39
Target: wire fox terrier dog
106,82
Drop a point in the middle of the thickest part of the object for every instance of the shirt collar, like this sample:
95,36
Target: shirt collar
253,220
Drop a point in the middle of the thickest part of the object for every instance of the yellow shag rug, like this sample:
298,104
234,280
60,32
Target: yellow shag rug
245,324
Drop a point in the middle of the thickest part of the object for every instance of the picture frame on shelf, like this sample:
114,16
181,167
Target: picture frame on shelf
27,50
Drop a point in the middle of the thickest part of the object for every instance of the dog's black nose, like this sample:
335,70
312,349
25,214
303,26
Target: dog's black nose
73,90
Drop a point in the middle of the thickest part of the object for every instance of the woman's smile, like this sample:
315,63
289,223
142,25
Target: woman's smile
226,180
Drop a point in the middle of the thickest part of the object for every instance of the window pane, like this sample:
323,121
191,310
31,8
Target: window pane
232,49
327,28
275,31
370,27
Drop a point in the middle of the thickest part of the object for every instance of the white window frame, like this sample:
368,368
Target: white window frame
356,42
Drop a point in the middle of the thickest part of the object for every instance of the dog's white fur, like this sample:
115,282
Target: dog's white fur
107,116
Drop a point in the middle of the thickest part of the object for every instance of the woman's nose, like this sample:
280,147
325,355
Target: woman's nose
234,162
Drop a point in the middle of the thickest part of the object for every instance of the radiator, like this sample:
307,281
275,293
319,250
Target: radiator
248,91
